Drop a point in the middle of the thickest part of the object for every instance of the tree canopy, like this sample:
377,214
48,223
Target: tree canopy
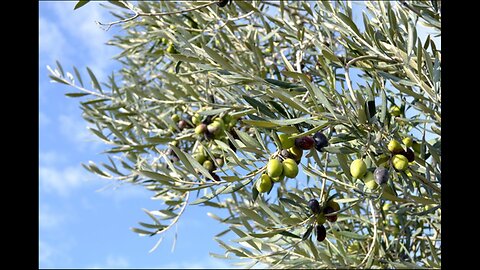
316,125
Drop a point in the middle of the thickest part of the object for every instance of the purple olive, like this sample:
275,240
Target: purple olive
329,210
381,175
222,3
304,143
320,141
321,232
314,206
408,154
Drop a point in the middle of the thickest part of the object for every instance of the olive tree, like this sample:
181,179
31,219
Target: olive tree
314,125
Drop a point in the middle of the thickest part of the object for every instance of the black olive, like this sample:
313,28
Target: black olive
321,232
320,141
314,206
381,175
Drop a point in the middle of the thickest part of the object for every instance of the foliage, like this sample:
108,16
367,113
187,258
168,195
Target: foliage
296,67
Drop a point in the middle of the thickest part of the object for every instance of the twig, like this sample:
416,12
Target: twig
325,172
374,233
138,14
347,72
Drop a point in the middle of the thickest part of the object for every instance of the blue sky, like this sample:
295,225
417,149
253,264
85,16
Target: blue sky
80,226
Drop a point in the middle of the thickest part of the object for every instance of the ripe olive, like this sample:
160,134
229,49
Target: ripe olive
222,3
290,168
394,147
329,210
400,162
335,206
182,124
409,154
200,129
381,175
274,168
264,184
286,141
321,232
314,206
304,143
215,177
321,141
358,168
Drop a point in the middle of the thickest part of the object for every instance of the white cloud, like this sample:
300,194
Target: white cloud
64,180
75,129
43,119
51,39
88,38
207,263
112,262
46,252
124,192
48,218
51,256
51,158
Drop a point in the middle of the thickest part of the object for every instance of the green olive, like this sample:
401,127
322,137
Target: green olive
386,206
171,48
207,164
320,218
296,152
369,180
354,247
407,141
395,110
395,147
274,168
196,119
175,118
199,157
358,168
417,147
290,168
286,141
278,178
400,162
264,184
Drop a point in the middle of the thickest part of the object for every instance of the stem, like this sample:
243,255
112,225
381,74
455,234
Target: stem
138,14
374,233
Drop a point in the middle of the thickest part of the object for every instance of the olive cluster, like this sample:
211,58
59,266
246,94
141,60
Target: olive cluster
206,128
284,162
322,213
401,157
358,170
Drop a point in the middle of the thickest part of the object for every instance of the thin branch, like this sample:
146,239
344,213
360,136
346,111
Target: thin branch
106,26
374,233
